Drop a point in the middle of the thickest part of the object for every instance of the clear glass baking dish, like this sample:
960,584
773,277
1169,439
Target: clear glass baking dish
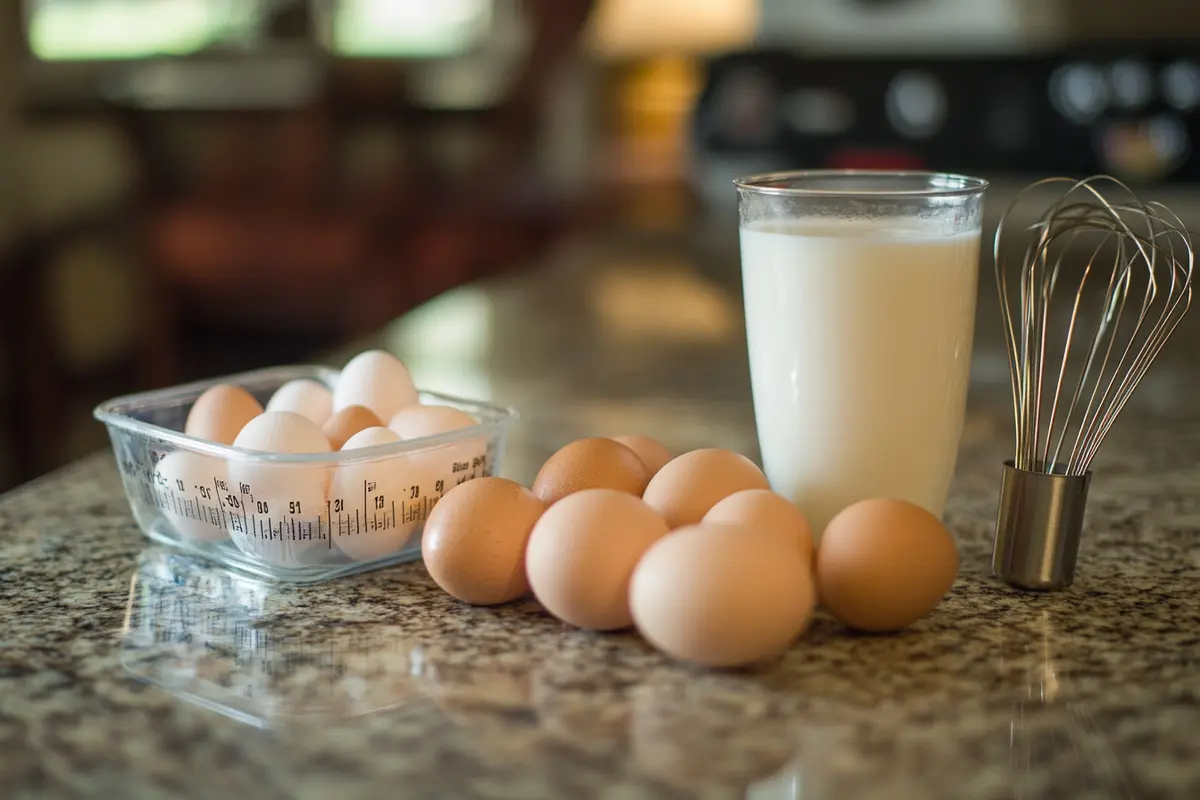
299,518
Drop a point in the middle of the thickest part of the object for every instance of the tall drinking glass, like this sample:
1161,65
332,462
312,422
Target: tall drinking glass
860,292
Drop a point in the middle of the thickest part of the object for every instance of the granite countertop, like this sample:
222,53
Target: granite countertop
129,671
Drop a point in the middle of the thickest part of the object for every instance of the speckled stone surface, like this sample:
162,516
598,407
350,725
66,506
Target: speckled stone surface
129,671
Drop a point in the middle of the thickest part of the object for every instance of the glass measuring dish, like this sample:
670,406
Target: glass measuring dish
300,518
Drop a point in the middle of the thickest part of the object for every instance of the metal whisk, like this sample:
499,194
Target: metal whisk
1103,284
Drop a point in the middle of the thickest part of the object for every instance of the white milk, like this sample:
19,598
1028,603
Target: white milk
859,337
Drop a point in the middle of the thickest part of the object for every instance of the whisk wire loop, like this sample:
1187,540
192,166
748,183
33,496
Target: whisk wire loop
1074,369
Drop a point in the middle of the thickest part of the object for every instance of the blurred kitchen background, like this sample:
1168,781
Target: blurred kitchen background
193,187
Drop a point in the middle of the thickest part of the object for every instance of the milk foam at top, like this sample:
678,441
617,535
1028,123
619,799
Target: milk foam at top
860,339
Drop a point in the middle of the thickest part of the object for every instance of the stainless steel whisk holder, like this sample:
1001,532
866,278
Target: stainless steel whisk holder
1038,528
1101,286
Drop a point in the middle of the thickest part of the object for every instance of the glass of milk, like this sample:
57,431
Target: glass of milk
860,292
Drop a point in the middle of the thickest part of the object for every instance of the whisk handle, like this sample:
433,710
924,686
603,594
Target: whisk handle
1038,526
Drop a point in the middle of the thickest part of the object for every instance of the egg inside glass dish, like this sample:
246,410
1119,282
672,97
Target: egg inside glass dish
194,478
220,413
290,473
376,380
444,466
307,398
347,422
367,499
284,510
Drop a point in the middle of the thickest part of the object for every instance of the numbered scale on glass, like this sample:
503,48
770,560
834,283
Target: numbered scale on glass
274,509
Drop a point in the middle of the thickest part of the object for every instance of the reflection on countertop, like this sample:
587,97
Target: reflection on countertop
989,697
133,671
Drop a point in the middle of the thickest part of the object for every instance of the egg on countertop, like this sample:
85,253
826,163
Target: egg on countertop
688,486
474,540
306,397
764,511
220,412
652,452
593,463
345,423
368,513
721,595
582,553
183,473
292,496
883,563
375,379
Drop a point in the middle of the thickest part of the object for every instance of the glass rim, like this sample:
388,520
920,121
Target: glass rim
938,184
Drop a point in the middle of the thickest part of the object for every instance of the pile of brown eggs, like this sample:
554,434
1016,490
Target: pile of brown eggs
694,551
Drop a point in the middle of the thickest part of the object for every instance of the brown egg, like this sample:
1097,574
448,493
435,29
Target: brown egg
347,422
721,595
590,464
582,552
220,413
652,452
474,540
761,510
882,564
686,488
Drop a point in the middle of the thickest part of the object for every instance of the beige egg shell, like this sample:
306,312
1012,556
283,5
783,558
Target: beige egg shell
375,379
373,492
342,425
419,420
689,485
474,540
582,553
306,397
652,452
193,517
721,596
764,511
882,564
593,463
293,494
220,413
450,463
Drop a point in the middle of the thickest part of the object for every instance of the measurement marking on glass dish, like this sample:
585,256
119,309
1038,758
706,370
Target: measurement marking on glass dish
236,509
286,526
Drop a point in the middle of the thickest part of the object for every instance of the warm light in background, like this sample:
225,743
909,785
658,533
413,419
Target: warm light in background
653,101
630,28
661,43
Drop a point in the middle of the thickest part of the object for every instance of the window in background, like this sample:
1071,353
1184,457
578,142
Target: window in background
93,30
407,28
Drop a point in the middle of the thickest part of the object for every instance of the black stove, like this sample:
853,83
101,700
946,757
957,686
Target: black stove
1131,111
